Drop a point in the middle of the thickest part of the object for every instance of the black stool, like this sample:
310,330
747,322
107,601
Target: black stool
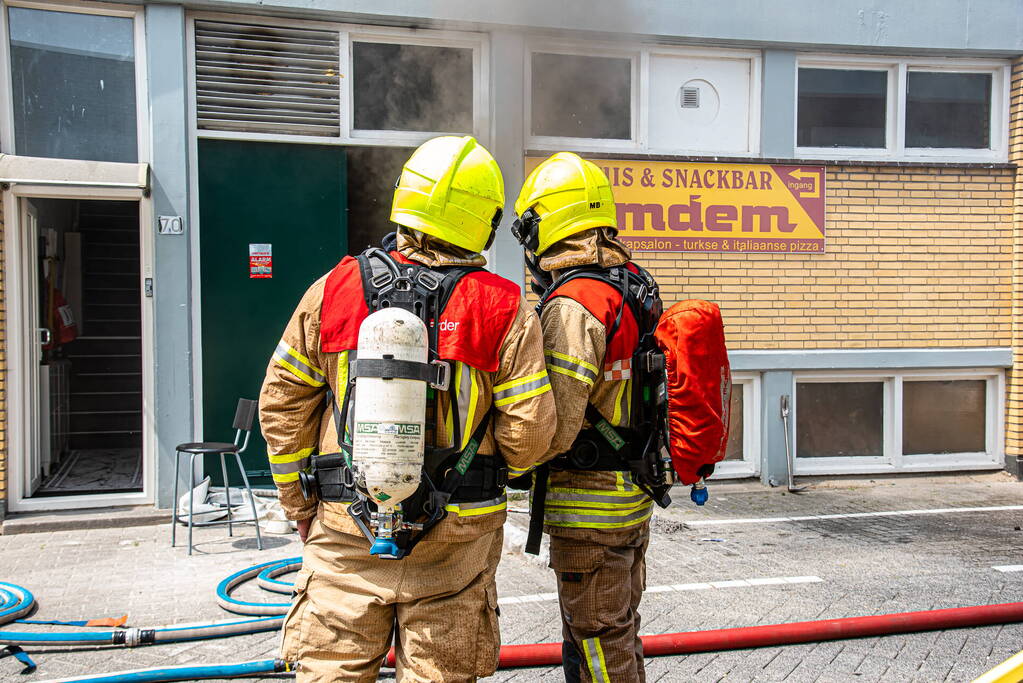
242,423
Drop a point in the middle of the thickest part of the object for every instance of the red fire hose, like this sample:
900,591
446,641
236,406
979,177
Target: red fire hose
549,654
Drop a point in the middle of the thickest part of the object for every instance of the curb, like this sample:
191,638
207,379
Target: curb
98,518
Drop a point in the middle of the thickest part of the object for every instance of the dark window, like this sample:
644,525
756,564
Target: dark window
582,97
948,110
839,108
73,78
943,417
372,173
736,447
412,87
839,419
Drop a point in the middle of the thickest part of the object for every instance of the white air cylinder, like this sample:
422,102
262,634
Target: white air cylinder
389,424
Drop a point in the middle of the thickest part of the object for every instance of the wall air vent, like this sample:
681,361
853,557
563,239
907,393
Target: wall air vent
267,79
690,97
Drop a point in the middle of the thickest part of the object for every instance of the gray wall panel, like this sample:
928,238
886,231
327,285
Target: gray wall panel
165,53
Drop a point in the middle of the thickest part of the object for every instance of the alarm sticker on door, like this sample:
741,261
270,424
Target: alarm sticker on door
260,261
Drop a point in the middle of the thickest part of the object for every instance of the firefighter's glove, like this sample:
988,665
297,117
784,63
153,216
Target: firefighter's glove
706,470
523,482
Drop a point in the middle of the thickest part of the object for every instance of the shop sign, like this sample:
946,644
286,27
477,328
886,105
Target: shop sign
711,207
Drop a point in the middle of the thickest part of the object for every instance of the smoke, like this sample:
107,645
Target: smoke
583,97
372,172
413,87
400,87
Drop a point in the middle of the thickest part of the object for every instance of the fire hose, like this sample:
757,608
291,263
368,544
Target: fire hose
15,602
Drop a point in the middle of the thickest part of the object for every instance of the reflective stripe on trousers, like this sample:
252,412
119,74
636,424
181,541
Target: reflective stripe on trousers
593,653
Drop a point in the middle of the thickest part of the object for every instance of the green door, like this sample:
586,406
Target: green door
292,197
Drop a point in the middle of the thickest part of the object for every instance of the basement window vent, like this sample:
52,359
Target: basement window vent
267,79
690,98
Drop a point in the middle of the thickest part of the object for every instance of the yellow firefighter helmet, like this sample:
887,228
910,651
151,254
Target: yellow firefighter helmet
562,196
451,188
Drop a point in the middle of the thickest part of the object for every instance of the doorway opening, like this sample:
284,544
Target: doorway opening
87,364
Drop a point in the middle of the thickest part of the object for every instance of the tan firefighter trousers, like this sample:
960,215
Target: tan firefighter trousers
442,597
599,588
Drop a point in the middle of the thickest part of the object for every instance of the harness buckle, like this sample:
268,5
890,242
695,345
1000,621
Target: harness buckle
654,361
428,280
443,379
382,280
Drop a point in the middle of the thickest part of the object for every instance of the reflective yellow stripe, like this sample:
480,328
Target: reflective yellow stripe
522,388
618,508
600,520
342,393
619,481
312,366
605,509
563,371
522,397
299,365
592,492
571,359
521,380
595,660
470,419
520,471
291,457
285,478
484,507
616,418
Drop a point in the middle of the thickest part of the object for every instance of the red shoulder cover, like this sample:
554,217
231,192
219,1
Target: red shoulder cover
603,301
699,384
473,325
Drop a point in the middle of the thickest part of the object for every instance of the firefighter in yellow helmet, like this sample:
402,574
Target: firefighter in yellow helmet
595,491
421,571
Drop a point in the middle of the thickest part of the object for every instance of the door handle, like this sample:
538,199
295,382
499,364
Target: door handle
45,336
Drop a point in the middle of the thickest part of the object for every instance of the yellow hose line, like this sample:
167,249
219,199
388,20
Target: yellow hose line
1009,671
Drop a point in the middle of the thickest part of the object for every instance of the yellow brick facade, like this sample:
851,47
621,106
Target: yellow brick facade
1014,391
3,370
916,257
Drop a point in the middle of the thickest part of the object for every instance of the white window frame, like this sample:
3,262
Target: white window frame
349,136
20,334
892,458
895,111
637,82
481,84
136,13
640,112
749,466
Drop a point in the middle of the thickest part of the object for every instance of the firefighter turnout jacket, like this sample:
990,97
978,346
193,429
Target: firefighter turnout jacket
604,507
487,329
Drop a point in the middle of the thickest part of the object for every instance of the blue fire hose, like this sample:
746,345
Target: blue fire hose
189,673
16,602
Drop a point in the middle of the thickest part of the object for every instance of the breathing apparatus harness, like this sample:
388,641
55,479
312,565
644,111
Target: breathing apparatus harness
450,474
640,448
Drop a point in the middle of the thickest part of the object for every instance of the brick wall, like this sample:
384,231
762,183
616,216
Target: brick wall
916,257
3,372
1014,394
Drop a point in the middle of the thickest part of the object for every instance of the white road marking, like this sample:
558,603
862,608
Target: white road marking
681,587
848,515
1009,568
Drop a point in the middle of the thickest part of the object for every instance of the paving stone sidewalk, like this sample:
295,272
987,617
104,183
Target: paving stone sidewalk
866,565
